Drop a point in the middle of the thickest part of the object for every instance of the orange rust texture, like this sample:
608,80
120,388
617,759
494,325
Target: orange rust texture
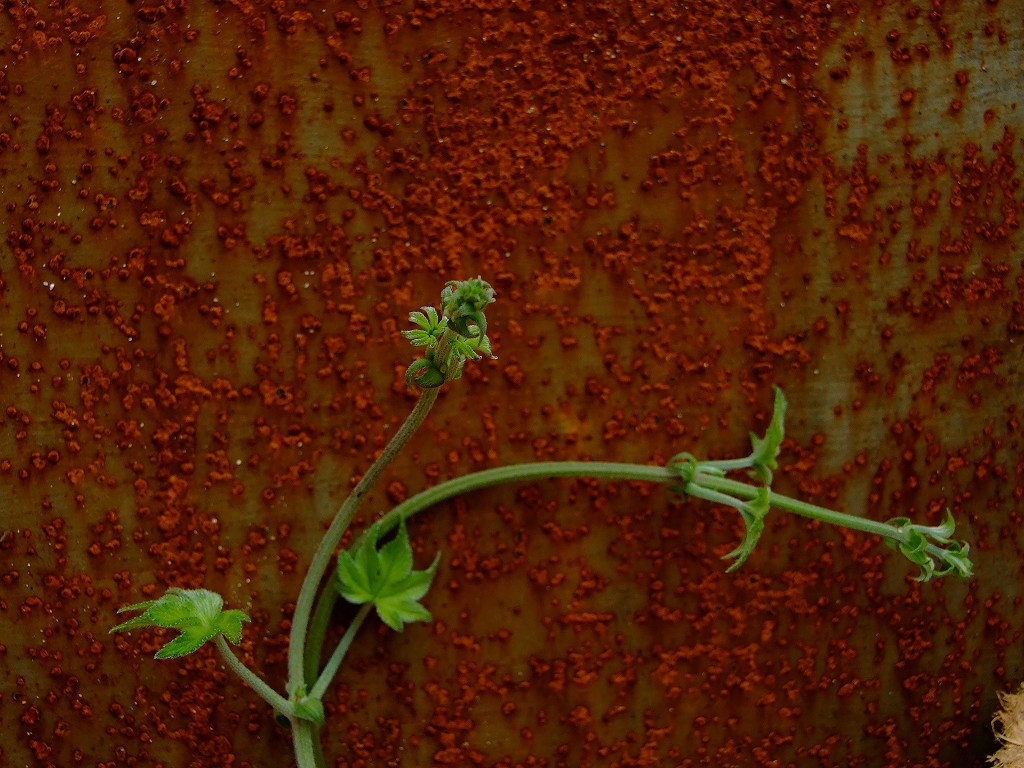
216,217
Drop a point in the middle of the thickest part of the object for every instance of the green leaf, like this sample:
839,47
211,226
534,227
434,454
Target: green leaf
940,533
197,613
472,347
957,560
385,577
753,512
766,449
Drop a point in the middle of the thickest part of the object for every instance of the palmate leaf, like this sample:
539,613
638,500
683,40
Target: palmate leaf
384,577
197,613
429,327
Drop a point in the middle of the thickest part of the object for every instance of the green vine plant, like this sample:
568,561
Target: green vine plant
377,573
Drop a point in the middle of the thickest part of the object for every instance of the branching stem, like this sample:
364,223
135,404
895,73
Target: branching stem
741,490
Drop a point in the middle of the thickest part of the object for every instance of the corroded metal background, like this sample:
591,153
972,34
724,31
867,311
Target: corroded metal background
217,216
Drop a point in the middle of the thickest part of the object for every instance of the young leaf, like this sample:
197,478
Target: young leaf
385,577
753,513
312,710
463,302
424,373
952,556
766,449
473,347
308,707
197,613
429,327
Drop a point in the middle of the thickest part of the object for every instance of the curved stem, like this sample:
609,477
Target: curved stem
523,473
706,485
473,482
641,472
265,692
727,465
339,653
318,624
322,557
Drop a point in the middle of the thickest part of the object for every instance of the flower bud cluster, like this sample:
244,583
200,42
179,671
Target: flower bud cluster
457,335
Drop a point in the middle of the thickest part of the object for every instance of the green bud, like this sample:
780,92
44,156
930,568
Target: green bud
463,303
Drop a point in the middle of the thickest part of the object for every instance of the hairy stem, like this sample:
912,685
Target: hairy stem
306,742
322,557
813,511
265,692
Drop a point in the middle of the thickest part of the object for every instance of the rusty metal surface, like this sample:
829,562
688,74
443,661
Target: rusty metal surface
217,216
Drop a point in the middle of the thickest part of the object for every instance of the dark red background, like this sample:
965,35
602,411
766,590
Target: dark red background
218,215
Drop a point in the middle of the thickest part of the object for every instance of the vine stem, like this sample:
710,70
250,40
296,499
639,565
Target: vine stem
322,557
306,742
523,473
618,471
708,485
265,692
